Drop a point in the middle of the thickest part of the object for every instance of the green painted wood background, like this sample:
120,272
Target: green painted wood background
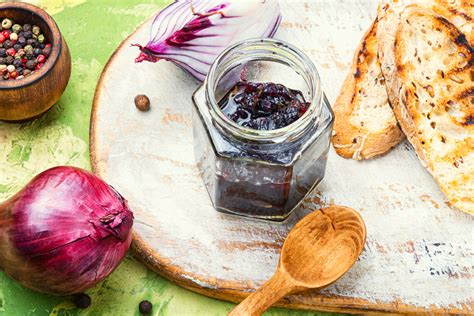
93,29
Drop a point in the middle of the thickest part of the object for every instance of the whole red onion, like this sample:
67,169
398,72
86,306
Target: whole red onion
64,231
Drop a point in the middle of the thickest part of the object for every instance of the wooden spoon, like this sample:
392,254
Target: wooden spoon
317,252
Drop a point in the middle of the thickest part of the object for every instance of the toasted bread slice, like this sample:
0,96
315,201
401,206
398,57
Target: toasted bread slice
365,125
428,64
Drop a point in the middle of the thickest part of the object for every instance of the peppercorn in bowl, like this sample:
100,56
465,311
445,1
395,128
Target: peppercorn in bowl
35,63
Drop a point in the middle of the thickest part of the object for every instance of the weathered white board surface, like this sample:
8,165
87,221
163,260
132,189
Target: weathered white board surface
419,251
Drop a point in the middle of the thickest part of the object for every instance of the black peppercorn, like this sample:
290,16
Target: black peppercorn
31,64
7,44
145,307
82,301
2,61
3,52
19,71
22,41
26,27
37,51
21,34
29,55
9,60
28,34
17,47
31,41
17,63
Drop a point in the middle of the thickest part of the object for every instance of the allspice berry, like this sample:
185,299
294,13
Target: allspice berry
142,102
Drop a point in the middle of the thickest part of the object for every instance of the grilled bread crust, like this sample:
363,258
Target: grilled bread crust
365,125
428,63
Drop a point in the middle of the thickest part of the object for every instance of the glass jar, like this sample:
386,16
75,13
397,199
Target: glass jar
261,173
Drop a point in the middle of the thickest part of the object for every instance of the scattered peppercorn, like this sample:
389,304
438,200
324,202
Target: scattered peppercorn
145,307
142,102
82,300
23,49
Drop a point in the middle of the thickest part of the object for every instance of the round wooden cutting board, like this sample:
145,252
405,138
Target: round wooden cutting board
418,252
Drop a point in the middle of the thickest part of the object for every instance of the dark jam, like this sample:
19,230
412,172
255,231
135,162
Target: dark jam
263,105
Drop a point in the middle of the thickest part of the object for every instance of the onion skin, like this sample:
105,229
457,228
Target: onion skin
64,232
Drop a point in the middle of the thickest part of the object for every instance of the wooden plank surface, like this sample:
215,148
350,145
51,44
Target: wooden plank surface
418,255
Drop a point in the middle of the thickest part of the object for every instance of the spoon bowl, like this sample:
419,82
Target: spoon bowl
323,246
319,249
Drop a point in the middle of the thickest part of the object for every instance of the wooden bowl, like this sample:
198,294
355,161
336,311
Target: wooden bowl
32,96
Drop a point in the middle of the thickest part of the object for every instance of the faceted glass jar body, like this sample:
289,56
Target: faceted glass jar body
261,174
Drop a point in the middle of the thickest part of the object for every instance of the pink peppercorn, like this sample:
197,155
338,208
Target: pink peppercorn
2,38
6,34
41,59
38,66
11,52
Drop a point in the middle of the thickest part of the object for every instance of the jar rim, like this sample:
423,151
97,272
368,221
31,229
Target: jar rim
293,129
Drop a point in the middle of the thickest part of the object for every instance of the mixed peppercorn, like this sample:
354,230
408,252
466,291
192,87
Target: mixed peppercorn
263,105
23,49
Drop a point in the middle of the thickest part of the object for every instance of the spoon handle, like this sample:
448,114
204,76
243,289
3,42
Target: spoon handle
268,294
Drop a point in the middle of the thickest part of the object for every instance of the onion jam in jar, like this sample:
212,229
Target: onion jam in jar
262,128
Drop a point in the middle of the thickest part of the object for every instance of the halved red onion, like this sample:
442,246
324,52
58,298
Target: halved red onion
193,33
